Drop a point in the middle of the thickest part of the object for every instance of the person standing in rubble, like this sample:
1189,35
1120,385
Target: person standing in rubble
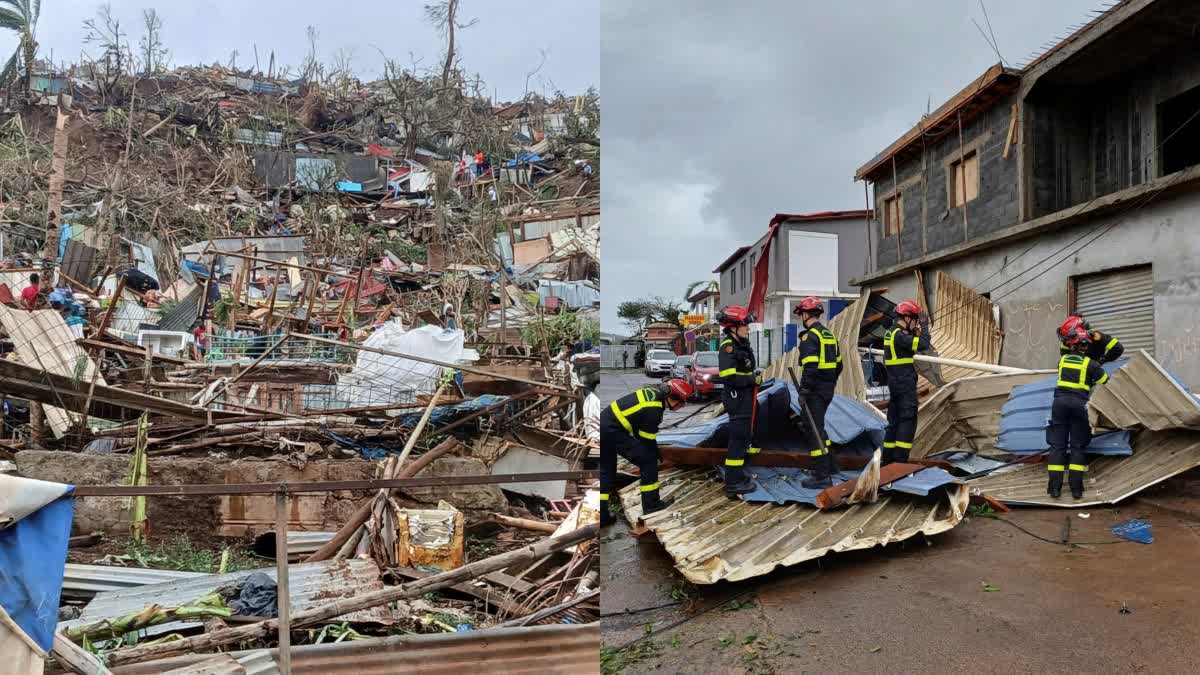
1069,427
909,335
737,370
822,361
629,428
1101,346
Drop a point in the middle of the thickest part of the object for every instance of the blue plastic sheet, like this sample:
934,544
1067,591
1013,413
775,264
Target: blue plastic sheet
1026,414
781,485
922,482
1134,530
445,414
33,555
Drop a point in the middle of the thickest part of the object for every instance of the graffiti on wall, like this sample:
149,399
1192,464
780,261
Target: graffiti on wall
1029,330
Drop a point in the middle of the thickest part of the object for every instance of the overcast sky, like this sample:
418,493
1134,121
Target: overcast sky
717,117
503,46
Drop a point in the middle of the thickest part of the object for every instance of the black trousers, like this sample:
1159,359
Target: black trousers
739,405
614,441
901,425
1068,435
818,404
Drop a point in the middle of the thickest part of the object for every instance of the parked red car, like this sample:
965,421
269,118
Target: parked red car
703,375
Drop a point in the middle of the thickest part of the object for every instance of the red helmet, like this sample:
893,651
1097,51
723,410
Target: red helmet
908,308
1072,324
679,389
809,304
735,315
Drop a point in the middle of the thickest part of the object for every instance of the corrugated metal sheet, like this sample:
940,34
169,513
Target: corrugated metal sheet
311,585
257,137
129,316
554,649
1026,414
184,313
922,482
1120,303
845,326
315,173
256,663
1143,394
574,294
713,538
1157,455
279,248
84,581
966,413
968,332
969,462
781,485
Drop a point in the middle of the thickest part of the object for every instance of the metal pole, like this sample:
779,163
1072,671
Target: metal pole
972,365
281,581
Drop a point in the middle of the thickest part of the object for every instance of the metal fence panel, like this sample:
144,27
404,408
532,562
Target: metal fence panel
610,356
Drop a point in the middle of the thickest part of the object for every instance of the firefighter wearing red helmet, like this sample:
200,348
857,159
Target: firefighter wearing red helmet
738,371
907,336
1069,428
629,428
822,364
1101,346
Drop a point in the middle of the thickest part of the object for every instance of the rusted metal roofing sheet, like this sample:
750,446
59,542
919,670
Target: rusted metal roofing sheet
311,585
85,581
1144,395
553,649
968,329
714,538
966,413
1157,456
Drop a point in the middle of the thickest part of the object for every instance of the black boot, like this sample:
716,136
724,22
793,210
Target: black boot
1054,488
1076,480
737,482
821,473
651,502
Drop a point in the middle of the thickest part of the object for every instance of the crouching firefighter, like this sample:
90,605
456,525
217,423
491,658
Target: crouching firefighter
1069,427
907,337
822,362
1102,347
629,428
738,373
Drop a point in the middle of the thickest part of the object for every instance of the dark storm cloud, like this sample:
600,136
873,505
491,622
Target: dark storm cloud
502,47
718,116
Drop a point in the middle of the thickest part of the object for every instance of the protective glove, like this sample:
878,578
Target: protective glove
758,375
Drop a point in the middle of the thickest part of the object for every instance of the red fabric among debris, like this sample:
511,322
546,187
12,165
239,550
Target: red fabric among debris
370,287
758,288
379,151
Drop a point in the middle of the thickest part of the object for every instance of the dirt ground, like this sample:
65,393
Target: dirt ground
923,605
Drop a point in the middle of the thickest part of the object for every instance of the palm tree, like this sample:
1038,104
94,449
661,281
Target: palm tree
709,285
20,16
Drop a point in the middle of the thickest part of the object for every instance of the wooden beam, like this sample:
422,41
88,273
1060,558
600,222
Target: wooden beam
1012,131
836,496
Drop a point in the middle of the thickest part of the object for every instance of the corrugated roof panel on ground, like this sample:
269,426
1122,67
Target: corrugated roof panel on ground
922,482
782,485
713,538
88,580
968,462
1143,394
1157,456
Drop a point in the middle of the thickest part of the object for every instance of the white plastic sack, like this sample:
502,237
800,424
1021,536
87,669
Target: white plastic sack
378,379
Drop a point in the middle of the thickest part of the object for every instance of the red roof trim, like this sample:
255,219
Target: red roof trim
823,215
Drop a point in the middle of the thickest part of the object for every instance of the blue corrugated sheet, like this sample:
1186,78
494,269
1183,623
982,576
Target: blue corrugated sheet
968,462
1026,414
781,485
575,294
921,482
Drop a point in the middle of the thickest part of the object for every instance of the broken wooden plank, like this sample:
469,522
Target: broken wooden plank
835,496
525,523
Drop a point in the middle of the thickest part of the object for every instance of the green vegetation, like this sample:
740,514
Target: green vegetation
181,554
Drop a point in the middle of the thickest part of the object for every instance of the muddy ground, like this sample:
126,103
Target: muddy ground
924,605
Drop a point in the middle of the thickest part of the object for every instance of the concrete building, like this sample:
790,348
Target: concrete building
706,302
1072,184
814,254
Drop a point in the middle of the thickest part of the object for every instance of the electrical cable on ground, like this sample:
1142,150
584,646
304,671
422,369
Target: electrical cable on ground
676,624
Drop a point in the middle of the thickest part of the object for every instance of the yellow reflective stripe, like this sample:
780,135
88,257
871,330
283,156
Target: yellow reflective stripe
726,341
754,451
1074,362
810,359
902,444
1111,343
623,416
1078,467
818,452
889,341
647,436
916,343
650,488
734,462
620,417
1055,467
1103,379
603,496
889,444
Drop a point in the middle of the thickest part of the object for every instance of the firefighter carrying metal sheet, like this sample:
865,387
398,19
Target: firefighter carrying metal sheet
1069,427
821,359
737,369
909,335
629,428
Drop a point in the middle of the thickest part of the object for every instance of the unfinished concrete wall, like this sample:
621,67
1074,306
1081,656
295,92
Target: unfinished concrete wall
1162,234
239,515
930,223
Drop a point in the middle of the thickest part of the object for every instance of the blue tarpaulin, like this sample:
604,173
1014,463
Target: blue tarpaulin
33,553
523,158
1134,530
444,414
1026,414
922,482
781,485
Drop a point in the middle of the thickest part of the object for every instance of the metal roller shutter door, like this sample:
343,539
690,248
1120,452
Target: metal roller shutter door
1120,303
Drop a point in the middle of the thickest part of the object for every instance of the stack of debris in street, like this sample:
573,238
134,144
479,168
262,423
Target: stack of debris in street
981,439
248,280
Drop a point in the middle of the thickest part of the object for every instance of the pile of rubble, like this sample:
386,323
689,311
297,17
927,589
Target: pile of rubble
216,281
